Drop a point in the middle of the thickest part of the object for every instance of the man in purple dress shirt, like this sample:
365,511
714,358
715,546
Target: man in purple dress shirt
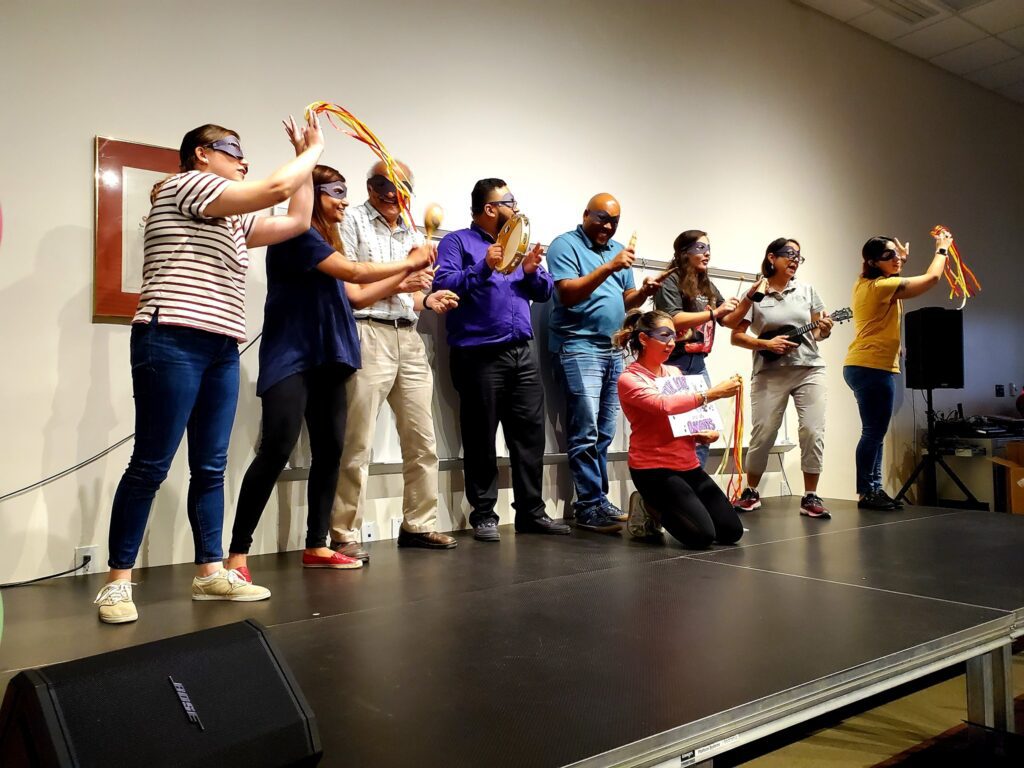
492,363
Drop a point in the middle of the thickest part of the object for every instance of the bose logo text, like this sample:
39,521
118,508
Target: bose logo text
186,703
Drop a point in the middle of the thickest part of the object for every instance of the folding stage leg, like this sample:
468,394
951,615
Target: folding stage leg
990,689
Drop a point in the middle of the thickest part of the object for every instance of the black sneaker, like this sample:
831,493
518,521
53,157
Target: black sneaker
896,504
748,501
542,524
596,519
877,500
613,512
486,531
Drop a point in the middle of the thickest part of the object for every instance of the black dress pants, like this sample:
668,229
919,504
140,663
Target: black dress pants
500,383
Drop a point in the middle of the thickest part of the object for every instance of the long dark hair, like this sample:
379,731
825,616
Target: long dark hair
324,174
872,251
691,282
637,321
767,268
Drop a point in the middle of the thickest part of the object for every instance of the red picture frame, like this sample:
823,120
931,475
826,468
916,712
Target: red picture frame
113,301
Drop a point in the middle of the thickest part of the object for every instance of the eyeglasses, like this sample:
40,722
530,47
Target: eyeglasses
603,218
664,335
382,185
698,248
506,200
335,189
791,254
229,146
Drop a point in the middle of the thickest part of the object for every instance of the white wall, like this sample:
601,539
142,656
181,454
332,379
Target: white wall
747,118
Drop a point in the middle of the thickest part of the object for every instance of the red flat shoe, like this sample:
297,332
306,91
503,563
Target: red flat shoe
244,573
336,560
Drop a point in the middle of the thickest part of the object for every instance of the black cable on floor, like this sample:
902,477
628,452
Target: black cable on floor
85,561
80,465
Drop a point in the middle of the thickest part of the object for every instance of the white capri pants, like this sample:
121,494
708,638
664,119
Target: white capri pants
770,391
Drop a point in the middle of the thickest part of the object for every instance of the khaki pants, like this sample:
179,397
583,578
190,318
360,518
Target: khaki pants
395,369
770,391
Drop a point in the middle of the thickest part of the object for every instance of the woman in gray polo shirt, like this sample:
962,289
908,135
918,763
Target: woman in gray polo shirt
785,368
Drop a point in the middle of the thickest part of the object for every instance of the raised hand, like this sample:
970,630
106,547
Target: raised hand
422,256
313,132
493,257
532,259
726,307
623,260
296,134
902,250
943,239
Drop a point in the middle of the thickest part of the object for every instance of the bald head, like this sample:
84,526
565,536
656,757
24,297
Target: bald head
380,168
601,218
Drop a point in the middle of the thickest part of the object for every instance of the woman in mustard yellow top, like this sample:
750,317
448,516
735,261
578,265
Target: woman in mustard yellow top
872,361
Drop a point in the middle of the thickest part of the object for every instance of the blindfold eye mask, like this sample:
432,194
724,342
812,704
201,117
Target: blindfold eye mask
335,189
229,145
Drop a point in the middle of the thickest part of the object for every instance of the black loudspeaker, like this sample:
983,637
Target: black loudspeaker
220,697
935,348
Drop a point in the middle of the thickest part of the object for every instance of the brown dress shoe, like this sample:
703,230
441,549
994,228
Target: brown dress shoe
428,540
352,549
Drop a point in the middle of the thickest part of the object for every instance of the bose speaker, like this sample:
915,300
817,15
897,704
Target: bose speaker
935,348
222,696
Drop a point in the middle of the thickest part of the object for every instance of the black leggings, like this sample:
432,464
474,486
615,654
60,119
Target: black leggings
692,506
319,395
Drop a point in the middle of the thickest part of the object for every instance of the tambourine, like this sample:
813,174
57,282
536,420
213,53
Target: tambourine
514,239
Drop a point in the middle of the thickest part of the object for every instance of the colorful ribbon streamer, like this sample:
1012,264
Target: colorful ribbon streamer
961,279
734,450
361,132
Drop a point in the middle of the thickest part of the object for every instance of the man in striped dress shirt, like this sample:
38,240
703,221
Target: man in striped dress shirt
395,369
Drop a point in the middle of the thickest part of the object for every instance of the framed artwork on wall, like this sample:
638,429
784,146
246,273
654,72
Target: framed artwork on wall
125,175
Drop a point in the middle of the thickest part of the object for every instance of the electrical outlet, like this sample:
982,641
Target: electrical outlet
83,552
1000,390
369,532
396,527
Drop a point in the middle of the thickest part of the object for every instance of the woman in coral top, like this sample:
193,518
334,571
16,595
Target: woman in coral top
664,468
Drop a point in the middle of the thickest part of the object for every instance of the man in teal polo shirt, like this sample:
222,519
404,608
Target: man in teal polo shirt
594,289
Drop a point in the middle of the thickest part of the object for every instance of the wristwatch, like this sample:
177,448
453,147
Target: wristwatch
942,252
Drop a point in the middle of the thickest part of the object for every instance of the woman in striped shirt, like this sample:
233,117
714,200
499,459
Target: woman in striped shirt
184,343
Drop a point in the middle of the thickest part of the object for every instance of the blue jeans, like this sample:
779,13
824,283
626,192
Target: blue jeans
184,380
693,365
875,391
590,381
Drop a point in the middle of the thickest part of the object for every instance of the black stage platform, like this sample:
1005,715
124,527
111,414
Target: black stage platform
592,650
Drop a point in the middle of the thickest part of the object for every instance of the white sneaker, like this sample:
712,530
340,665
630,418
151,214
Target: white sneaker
227,585
642,524
115,602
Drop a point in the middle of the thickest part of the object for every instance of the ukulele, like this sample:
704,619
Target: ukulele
798,335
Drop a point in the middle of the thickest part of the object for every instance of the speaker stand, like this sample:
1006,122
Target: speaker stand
927,464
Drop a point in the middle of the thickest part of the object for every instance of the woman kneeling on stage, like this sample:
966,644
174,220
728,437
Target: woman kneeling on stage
784,368
664,468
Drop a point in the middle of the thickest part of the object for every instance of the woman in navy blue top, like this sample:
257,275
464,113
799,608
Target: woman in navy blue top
309,348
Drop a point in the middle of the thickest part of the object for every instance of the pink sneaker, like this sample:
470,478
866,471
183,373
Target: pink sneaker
336,560
748,502
812,506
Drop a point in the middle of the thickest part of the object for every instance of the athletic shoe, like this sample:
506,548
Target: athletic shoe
486,531
336,561
812,506
748,501
895,503
115,602
244,573
596,519
613,512
876,500
542,524
227,585
643,521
